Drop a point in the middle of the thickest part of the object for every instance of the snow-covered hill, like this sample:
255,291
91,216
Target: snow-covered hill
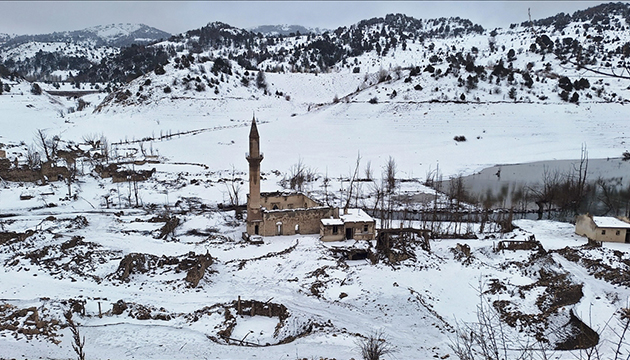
406,61
116,35
125,34
60,56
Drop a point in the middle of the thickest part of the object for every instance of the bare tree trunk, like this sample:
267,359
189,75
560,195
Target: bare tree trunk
354,177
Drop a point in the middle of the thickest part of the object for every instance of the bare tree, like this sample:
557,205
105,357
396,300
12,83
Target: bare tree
32,157
608,196
579,188
44,143
91,139
390,174
486,338
104,145
624,321
79,342
354,177
299,176
457,195
547,194
368,171
234,187
326,184
378,189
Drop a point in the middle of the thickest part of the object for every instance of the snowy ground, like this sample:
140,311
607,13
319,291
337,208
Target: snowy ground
417,304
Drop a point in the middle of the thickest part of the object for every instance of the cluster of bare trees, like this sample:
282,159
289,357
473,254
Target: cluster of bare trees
564,191
299,176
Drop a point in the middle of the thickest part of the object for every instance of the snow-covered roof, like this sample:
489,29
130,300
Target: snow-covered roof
610,222
331,222
355,215
352,216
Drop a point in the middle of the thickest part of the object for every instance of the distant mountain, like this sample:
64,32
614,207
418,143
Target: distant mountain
285,30
115,35
4,38
57,56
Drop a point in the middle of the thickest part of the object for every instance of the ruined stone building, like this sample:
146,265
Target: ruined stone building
289,213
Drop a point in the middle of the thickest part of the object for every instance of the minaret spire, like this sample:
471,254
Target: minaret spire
254,157
253,132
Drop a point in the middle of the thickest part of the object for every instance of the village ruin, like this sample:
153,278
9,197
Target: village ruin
289,213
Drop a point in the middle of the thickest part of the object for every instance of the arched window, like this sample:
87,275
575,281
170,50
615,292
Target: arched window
256,230
278,228
297,228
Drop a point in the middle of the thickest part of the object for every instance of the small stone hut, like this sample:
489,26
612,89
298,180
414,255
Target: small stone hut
603,228
352,224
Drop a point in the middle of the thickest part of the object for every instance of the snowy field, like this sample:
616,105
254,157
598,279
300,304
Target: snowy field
74,253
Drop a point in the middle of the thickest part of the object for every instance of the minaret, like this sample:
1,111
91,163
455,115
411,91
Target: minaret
254,157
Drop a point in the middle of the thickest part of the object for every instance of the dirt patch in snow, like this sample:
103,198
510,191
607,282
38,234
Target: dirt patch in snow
554,290
27,322
193,264
612,266
243,262
61,259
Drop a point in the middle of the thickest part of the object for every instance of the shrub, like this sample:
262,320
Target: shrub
261,81
528,79
565,84
511,55
167,89
625,155
159,70
374,347
36,89
459,138
374,100
581,84
222,65
512,93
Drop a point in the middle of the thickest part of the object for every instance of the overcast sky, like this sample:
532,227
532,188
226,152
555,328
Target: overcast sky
39,17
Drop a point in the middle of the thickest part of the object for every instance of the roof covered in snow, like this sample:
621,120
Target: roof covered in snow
351,216
355,215
610,222
332,221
